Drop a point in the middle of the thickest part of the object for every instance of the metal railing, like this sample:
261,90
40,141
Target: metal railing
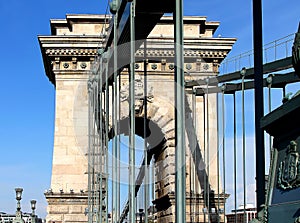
275,50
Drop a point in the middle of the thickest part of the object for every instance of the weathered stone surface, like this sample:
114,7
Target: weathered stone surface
68,55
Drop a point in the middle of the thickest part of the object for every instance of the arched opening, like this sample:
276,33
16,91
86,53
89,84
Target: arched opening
151,138
154,135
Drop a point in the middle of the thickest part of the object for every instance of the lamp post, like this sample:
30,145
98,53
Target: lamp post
33,206
18,218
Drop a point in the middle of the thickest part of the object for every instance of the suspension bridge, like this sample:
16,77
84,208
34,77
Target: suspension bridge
169,116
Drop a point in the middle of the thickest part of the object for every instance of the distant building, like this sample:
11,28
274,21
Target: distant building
8,218
250,213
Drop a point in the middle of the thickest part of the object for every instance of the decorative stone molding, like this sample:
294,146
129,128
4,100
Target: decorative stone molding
288,171
205,66
216,66
188,66
74,63
163,64
66,65
187,53
171,66
139,94
154,66
56,63
193,67
71,52
83,65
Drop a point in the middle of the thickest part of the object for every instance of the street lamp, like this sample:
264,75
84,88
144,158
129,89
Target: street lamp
33,206
18,218
243,71
19,193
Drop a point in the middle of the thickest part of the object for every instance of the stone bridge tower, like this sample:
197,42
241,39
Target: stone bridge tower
68,54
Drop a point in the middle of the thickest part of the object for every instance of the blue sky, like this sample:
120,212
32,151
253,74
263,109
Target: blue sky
27,97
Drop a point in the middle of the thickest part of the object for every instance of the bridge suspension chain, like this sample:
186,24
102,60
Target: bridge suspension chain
108,121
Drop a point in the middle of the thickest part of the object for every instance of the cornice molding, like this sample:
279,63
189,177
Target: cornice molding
160,53
71,52
57,51
197,54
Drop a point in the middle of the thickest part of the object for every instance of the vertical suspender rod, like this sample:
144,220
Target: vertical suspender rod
180,186
132,206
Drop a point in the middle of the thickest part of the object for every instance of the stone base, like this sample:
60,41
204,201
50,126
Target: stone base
63,207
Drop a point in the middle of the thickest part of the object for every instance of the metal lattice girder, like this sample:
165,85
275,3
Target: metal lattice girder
271,67
277,81
150,11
